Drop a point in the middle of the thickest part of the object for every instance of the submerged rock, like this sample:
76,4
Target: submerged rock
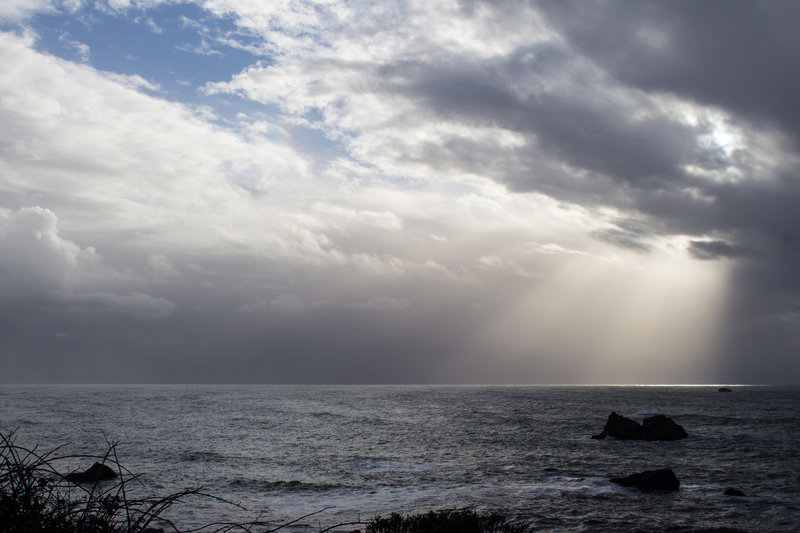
650,480
96,472
658,427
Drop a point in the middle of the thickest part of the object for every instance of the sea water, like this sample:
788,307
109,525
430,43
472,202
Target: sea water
354,452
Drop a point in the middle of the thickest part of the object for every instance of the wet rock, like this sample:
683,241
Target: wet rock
650,480
619,427
733,492
96,472
724,389
658,427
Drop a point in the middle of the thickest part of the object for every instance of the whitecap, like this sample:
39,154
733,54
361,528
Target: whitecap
560,483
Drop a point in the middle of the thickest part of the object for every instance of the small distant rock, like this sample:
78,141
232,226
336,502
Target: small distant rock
733,492
658,427
650,480
96,472
724,389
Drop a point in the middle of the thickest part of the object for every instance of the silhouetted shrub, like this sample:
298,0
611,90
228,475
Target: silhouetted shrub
450,521
35,497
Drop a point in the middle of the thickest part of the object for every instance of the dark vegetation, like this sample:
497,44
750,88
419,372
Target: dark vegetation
458,521
38,497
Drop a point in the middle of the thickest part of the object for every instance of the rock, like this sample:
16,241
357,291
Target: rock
660,427
650,480
619,427
733,492
96,472
724,389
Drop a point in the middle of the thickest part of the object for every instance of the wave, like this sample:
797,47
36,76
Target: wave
202,456
392,465
644,414
712,436
587,486
706,418
283,486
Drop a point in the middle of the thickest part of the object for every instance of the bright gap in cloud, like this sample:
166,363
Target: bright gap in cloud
183,50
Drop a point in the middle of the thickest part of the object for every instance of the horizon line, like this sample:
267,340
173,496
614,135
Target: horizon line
654,385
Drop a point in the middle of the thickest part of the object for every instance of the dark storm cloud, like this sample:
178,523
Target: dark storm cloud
743,56
55,341
631,234
594,131
587,141
594,136
711,250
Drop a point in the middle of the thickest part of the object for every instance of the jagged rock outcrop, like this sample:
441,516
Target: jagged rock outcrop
96,472
658,427
650,480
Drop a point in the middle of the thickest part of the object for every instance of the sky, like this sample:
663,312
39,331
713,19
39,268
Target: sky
292,191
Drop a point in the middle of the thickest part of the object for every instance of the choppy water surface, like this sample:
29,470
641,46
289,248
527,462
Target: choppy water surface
284,451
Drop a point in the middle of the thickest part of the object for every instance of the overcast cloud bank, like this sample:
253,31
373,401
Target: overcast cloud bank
427,192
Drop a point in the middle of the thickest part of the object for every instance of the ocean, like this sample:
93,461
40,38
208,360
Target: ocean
354,452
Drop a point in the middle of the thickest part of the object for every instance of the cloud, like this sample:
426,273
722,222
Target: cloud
382,303
712,250
695,51
35,257
536,118
287,302
135,303
37,261
630,233
382,174
15,10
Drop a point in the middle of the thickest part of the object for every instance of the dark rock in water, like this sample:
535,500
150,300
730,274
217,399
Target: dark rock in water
619,427
96,472
660,427
724,389
733,492
650,480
